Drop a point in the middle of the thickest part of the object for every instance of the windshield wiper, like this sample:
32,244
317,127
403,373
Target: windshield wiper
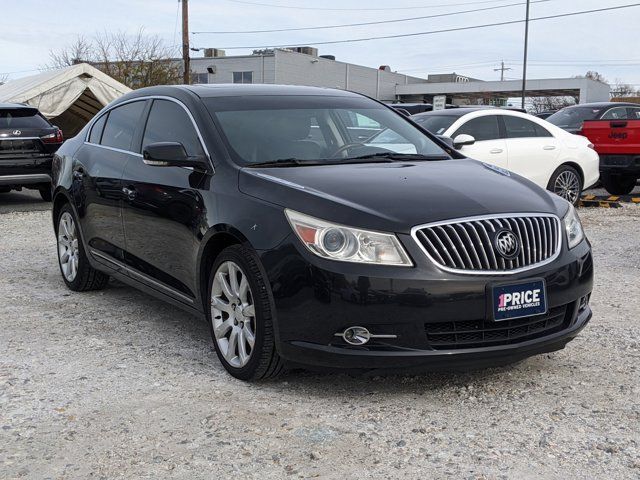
296,162
399,156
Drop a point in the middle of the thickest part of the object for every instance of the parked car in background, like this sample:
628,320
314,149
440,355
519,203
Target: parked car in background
572,118
326,252
413,108
545,154
545,115
27,144
618,143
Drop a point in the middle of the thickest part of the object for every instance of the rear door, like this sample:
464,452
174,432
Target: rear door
97,176
489,146
163,208
532,149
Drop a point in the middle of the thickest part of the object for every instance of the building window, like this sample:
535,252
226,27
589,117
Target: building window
199,78
242,77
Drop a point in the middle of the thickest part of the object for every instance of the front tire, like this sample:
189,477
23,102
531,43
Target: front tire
240,316
566,182
76,271
617,184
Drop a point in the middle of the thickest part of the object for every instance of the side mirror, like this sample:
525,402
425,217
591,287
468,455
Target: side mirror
462,140
170,154
447,140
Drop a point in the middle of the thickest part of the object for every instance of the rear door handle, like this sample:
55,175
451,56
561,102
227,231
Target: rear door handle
129,192
549,147
495,150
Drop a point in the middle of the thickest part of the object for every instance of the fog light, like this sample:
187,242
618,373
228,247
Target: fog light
356,335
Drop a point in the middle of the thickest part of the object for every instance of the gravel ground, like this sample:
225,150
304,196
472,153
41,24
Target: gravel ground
116,384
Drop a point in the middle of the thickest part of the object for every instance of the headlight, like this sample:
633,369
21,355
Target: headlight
572,224
346,244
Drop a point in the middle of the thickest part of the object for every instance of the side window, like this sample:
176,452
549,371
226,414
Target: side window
481,128
616,113
96,130
517,127
634,113
168,122
121,125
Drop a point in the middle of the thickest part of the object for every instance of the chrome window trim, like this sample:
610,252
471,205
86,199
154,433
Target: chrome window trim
414,232
139,99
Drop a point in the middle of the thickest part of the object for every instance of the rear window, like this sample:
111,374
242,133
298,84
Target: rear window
572,117
22,118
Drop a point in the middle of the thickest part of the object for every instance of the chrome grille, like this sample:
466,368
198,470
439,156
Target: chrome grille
467,245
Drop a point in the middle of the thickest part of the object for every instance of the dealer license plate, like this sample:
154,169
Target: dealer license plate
517,300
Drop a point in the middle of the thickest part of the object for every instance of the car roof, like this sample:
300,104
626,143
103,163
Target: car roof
15,106
455,112
236,90
605,104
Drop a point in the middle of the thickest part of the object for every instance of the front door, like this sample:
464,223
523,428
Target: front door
163,208
489,146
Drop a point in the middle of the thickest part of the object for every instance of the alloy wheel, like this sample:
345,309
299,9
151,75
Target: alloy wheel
233,314
68,251
567,185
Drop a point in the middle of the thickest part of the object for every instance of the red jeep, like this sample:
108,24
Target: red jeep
618,144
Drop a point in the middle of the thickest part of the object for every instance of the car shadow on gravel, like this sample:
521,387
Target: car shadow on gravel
179,331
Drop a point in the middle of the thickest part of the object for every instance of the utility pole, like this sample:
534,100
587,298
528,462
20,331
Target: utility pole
185,42
502,69
524,64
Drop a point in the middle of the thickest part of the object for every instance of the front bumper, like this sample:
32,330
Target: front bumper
316,298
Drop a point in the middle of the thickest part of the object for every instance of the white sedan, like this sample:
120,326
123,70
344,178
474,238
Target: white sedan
545,154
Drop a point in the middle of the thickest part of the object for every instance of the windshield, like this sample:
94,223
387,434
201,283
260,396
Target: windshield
572,117
22,118
436,124
259,129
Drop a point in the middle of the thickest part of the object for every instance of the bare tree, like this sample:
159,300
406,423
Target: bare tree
546,104
621,89
137,60
593,75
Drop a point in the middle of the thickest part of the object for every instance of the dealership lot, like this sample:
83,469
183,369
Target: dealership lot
118,384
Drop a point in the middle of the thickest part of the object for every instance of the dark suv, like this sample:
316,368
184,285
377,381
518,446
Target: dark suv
27,144
260,208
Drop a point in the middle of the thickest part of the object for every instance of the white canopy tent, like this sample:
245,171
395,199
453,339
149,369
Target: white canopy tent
68,97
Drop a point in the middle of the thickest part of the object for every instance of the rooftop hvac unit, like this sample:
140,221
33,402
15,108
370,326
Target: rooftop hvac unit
214,52
306,50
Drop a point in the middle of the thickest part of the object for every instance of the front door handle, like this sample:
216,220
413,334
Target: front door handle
549,147
129,192
495,150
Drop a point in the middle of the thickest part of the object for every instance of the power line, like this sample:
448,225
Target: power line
360,9
380,22
432,32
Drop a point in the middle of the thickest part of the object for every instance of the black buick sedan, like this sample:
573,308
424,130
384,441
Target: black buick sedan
266,210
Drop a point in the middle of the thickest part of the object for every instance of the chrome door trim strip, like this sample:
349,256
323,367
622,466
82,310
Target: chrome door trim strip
143,277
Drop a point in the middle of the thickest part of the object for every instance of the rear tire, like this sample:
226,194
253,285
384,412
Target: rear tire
76,271
240,315
45,193
566,182
617,184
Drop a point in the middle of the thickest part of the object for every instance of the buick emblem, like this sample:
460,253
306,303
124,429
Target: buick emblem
17,132
507,244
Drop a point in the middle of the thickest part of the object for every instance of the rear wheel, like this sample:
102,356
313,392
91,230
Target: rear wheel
617,184
566,182
76,271
240,316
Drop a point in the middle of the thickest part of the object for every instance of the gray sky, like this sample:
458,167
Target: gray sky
606,42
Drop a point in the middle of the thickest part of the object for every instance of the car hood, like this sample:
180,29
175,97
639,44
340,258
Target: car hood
397,196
